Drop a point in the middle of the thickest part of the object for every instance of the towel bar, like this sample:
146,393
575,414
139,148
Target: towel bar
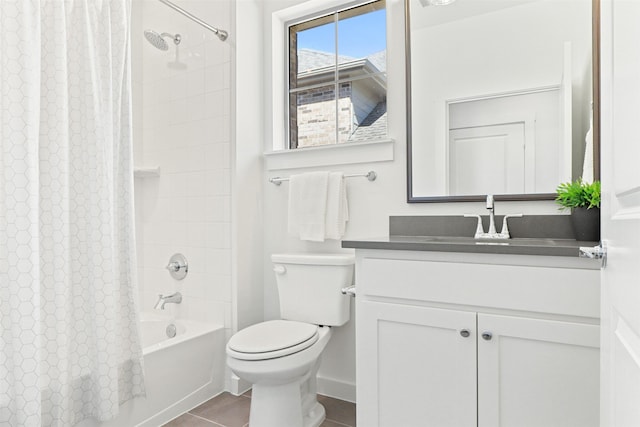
371,176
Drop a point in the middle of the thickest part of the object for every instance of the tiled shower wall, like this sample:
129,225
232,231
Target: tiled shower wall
182,125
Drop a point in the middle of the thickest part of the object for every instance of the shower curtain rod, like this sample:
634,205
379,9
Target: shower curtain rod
222,34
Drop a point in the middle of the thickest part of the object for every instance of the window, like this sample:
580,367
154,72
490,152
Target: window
337,77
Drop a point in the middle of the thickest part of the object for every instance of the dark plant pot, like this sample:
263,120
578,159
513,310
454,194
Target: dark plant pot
586,224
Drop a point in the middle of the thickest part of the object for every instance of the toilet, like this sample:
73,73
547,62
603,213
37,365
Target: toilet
281,357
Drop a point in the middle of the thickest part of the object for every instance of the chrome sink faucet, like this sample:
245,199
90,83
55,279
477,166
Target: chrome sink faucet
492,220
492,233
162,300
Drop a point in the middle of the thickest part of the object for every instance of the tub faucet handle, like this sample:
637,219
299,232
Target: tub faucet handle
178,266
173,266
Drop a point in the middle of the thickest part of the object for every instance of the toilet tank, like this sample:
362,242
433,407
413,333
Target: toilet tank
309,287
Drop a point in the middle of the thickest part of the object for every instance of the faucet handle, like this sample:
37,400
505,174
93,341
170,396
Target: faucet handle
505,228
178,266
479,227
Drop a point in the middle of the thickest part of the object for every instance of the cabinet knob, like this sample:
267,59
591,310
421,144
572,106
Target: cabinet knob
465,333
487,336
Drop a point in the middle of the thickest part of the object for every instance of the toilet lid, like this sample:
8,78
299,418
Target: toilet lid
271,339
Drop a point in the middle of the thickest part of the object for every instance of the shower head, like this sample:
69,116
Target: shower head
158,41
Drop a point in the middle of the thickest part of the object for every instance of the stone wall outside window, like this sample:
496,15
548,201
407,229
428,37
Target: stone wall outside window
316,112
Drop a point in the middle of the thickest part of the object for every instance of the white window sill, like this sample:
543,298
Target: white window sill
328,155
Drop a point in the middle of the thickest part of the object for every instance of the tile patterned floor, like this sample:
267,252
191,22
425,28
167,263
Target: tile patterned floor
227,410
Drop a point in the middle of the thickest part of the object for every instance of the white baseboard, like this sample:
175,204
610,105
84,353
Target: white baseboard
326,386
338,389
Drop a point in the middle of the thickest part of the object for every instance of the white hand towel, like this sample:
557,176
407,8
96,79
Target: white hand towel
337,208
308,205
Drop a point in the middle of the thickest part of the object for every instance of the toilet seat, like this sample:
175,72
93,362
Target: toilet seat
272,339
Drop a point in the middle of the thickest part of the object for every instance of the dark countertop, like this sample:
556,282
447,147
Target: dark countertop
515,246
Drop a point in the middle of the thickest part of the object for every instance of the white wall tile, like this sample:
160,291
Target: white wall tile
215,209
218,261
196,106
205,310
214,79
184,120
195,57
176,87
175,113
226,76
216,104
196,234
195,82
196,208
216,53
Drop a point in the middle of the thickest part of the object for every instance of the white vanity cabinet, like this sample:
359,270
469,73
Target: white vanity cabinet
476,340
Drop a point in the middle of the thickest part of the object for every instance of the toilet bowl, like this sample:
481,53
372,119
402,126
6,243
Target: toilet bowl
284,387
281,357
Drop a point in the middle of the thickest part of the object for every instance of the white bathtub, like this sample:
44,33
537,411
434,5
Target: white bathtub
180,372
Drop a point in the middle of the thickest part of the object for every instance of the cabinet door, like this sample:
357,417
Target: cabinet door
415,368
537,373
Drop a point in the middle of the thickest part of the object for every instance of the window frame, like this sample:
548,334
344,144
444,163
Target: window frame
276,155
320,13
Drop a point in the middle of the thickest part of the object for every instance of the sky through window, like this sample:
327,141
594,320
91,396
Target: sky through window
358,36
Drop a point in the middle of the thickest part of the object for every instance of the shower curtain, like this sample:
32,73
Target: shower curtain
69,339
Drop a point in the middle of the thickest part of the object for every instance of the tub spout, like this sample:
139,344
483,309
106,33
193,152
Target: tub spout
162,300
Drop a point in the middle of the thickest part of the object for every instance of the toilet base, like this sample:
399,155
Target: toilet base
284,390
284,405
315,417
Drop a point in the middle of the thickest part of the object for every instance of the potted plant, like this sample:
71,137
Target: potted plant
583,199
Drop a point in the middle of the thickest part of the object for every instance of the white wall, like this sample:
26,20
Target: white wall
370,203
182,119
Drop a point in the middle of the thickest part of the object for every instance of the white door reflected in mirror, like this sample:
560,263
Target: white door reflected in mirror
499,145
487,159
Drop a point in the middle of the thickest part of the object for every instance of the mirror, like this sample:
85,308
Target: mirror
500,98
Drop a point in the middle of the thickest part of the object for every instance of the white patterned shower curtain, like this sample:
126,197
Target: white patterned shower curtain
69,339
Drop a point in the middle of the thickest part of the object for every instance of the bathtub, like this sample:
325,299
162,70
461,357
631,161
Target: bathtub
180,372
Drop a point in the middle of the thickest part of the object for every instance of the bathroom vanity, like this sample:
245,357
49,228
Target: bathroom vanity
457,332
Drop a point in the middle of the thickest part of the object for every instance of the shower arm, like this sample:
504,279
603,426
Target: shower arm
222,34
